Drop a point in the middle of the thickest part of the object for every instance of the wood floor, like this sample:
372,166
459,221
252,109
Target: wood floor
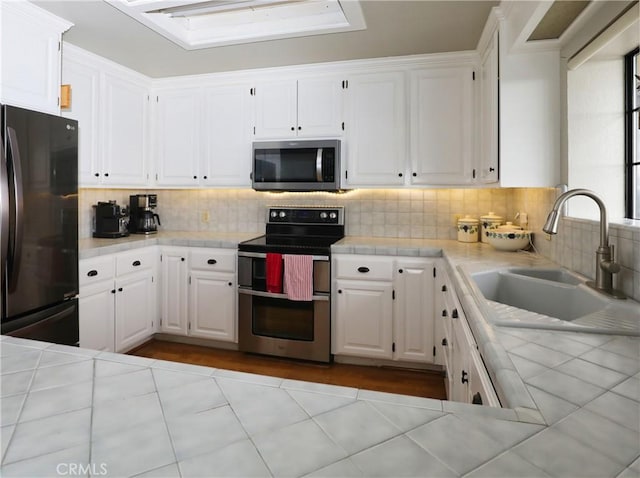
382,379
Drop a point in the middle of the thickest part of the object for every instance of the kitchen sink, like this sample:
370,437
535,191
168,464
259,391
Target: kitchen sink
555,275
551,298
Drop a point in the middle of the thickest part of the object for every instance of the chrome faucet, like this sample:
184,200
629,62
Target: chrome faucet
605,264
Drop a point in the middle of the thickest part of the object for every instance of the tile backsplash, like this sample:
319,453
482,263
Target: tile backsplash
414,213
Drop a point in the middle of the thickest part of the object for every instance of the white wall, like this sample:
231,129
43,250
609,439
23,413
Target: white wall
595,136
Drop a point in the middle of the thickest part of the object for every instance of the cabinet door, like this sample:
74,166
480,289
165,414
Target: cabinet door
124,128
30,52
174,305
227,136
414,311
177,137
85,91
488,128
276,109
363,318
320,107
97,313
375,130
134,310
460,363
213,306
442,135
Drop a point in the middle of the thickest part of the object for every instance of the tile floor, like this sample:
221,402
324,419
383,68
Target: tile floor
103,414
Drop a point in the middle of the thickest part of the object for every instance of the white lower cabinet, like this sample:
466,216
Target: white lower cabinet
383,307
456,349
199,296
117,300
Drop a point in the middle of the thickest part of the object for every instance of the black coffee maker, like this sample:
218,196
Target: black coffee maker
142,219
110,220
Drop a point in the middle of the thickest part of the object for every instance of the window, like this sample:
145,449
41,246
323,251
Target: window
632,133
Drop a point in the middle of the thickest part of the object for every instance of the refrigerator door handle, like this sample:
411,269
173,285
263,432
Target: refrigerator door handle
15,252
4,210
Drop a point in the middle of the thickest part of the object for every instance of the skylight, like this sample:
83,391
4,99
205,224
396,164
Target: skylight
208,23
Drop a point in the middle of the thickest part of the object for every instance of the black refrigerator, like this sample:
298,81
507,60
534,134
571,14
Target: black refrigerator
39,230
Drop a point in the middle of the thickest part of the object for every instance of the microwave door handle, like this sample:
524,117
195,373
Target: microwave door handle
319,165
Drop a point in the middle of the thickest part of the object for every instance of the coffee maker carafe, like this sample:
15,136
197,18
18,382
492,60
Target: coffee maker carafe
142,218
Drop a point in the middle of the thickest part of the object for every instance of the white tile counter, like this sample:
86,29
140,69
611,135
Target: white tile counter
573,411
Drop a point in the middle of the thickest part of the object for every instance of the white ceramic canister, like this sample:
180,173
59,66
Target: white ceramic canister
489,222
468,229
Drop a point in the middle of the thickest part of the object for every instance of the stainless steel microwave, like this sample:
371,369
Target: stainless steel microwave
303,165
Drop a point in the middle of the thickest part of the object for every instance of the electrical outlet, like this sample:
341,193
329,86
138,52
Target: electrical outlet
204,216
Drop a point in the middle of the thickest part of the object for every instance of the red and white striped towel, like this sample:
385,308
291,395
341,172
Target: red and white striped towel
298,276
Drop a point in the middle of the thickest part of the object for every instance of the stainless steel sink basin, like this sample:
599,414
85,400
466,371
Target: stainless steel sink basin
551,298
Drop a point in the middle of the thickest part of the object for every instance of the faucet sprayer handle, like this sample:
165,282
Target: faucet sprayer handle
611,265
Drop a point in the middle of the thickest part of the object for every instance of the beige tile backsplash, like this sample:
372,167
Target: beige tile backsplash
414,213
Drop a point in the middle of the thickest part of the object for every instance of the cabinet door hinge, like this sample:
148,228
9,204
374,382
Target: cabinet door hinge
393,347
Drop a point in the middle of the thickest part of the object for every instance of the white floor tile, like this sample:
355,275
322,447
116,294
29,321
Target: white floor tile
575,459
357,426
126,385
67,462
49,358
60,375
323,388
11,407
248,377
297,449
507,433
106,368
400,457
204,432
473,447
617,442
53,401
5,437
617,408
183,367
508,465
240,460
20,362
261,408
630,388
568,388
343,469
168,471
552,408
317,403
166,379
47,435
406,418
134,450
191,398
112,417
15,383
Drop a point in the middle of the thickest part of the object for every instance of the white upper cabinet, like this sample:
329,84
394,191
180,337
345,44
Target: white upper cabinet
442,125
177,137
30,40
111,105
488,124
227,136
125,131
298,108
375,130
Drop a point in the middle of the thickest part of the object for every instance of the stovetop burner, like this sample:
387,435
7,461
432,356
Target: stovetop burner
299,230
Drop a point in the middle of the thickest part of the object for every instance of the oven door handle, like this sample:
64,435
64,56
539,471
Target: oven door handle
263,255
271,295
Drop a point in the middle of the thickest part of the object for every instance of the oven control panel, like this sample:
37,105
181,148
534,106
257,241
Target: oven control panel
306,215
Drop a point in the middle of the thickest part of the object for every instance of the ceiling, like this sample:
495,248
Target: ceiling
393,28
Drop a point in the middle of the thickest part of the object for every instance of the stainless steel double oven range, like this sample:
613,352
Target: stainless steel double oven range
270,323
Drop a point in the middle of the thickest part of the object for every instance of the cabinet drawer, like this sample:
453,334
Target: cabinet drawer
219,260
135,261
96,269
364,268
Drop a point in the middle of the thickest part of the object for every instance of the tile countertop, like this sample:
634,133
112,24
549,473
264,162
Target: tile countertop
573,405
